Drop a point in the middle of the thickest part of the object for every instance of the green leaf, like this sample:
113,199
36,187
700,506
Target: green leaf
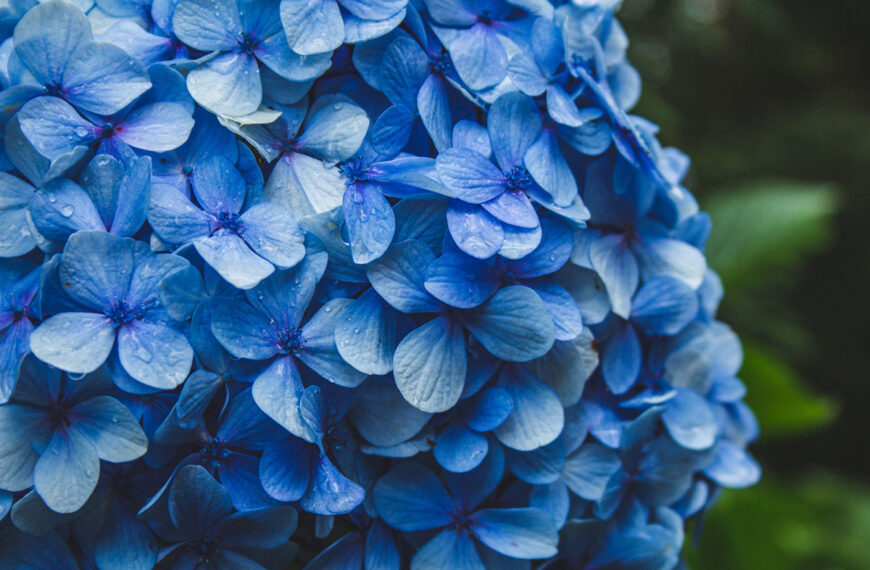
763,228
781,402
808,524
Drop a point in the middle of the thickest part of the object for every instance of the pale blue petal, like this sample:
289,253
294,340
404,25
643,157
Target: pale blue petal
330,492
663,256
618,268
312,26
513,123
366,334
690,420
513,208
277,391
733,467
334,131
231,257
520,533
271,231
398,277
103,79
154,354
67,471
479,56
174,217
434,108
549,168
111,428
430,365
158,127
475,232
470,175
46,55
277,55
61,207
244,331
227,85
369,221
54,128
537,417
320,352
305,185
207,25
513,325
75,342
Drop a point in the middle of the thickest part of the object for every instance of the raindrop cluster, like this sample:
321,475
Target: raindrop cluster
349,284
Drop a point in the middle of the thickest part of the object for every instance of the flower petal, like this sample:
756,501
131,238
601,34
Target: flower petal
430,365
75,342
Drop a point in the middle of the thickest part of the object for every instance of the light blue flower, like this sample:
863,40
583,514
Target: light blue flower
56,430
240,34
113,282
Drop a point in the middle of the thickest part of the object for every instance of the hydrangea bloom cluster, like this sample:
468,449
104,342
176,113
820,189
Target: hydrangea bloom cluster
346,284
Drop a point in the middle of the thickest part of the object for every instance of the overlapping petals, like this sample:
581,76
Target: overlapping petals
407,275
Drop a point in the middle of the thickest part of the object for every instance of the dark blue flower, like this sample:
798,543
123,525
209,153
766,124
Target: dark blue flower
300,468
411,497
19,285
205,530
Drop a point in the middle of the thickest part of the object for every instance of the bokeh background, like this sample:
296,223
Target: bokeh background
771,99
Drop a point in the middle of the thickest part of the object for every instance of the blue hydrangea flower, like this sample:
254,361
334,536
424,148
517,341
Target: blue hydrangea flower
113,281
230,455
411,489
111,198
320,26
305,144
19,285
242,244
265,324
93,77
300,468
241,34
430,362
56,430
497,201
158,121
475,33
412,268
204,529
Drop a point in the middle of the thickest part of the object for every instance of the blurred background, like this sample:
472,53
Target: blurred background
771,99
